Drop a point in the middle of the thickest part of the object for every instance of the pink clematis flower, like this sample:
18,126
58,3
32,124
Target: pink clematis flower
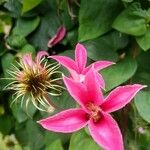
78,68
61,32
94,111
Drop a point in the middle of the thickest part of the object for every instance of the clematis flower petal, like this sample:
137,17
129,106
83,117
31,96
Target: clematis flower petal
119,97
100,80
39,56
99,65
61,32
77,90
65,61
94,92
80,57
66,121
27,59
77,77
106,133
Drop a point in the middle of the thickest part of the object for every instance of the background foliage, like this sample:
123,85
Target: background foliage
115,30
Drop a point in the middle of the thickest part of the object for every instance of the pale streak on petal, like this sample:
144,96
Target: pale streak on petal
80,57
67,121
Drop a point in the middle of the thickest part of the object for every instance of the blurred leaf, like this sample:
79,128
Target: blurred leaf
6,124
144,40
64,101
81,141
50,137
142,75
28,48
130,22
2,110
18,113
49,24
142,102
7,64
30,4
56,145
103,48
14,6
16,41
25,26
36,139
22,113
119,73
92,22
128,1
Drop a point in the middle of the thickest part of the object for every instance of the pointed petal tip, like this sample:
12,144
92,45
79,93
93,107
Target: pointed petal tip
140,86
39,122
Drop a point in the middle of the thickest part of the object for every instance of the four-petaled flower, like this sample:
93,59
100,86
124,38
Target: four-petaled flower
94,111
78,68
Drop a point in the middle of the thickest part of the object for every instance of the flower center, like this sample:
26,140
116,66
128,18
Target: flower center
95,113
35,82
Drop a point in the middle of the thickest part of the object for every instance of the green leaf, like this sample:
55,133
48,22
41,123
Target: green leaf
50,137
22,113
131,21
18,113
2,110
64,101
142,102
6,65
14,7
103,48
16,41
142,75
29,4
49,24
28,48
36,138
128,1
119,73
82,141
25,26
96,17
6,124
144,40
56,145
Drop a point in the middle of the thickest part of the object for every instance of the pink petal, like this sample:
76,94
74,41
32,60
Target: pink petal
100,80
93,88
61,32
106,133
39,56
27,60
77,90
99,65
66,121
119,97
80,56
76,76
65,61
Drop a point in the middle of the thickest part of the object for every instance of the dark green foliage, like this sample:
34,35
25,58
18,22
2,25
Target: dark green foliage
115,30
